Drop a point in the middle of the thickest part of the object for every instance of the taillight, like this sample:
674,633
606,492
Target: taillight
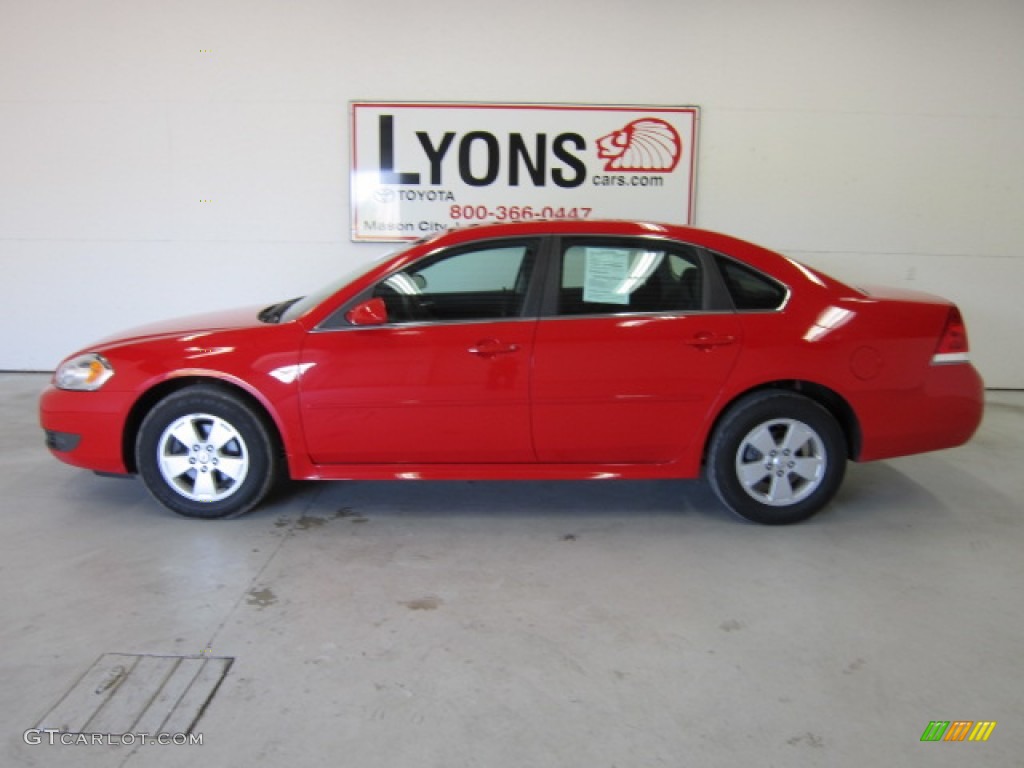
953,342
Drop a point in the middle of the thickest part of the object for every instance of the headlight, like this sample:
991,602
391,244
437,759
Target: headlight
85,373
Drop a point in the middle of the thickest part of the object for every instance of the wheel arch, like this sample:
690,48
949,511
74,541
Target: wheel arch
162,389
824,396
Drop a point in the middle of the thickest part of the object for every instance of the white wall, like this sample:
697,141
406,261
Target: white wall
877,139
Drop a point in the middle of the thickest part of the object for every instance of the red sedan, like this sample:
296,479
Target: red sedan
541,350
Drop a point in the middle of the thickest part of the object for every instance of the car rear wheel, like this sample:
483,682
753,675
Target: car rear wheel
776,458
203,452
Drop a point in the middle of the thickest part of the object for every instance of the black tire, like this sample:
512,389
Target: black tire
203,452
776,458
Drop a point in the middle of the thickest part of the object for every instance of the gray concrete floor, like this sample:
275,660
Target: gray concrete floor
531,624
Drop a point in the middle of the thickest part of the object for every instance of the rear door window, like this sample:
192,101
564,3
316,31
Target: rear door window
616,276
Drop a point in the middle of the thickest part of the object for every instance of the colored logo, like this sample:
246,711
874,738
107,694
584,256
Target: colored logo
647,144
958,730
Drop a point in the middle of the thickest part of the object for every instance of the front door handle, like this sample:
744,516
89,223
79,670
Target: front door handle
492,347
705,340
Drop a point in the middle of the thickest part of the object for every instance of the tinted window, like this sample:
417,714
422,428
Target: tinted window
480,283
615,277
748,288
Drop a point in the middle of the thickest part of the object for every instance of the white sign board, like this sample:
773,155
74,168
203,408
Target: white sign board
419,168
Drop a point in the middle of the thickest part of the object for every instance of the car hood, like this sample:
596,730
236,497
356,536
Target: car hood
232,319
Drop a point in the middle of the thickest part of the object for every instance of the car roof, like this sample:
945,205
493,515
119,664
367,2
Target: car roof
569,226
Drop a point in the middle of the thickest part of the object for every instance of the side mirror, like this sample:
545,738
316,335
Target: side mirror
370,312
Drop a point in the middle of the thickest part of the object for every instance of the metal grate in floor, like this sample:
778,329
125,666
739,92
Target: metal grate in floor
138,693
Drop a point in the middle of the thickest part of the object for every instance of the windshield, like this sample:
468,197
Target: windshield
297,308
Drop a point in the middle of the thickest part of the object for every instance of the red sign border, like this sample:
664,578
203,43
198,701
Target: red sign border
354,105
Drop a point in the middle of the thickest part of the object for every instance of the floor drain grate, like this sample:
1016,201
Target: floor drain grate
133,693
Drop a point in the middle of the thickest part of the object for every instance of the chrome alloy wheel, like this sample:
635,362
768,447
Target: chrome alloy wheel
781,462
202,457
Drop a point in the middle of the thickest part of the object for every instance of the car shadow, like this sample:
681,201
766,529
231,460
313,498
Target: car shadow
499,498
877,494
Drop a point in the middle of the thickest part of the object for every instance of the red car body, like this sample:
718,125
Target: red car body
616,393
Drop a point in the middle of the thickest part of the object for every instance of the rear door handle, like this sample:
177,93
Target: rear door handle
492,347
706,340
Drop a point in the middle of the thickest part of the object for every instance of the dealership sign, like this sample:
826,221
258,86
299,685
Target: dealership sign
419,168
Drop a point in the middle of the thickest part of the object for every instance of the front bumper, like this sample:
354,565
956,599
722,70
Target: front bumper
86,429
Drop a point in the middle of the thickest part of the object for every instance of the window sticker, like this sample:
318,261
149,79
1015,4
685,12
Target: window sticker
605,273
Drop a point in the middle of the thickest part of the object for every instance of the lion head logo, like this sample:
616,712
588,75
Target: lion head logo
647,144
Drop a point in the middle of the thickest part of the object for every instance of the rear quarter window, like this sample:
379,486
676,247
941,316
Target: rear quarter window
748,288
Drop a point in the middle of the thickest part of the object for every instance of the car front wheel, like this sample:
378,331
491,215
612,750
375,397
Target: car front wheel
203,452
776,458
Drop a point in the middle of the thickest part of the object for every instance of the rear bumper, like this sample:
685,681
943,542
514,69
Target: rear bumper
944,412
84,429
